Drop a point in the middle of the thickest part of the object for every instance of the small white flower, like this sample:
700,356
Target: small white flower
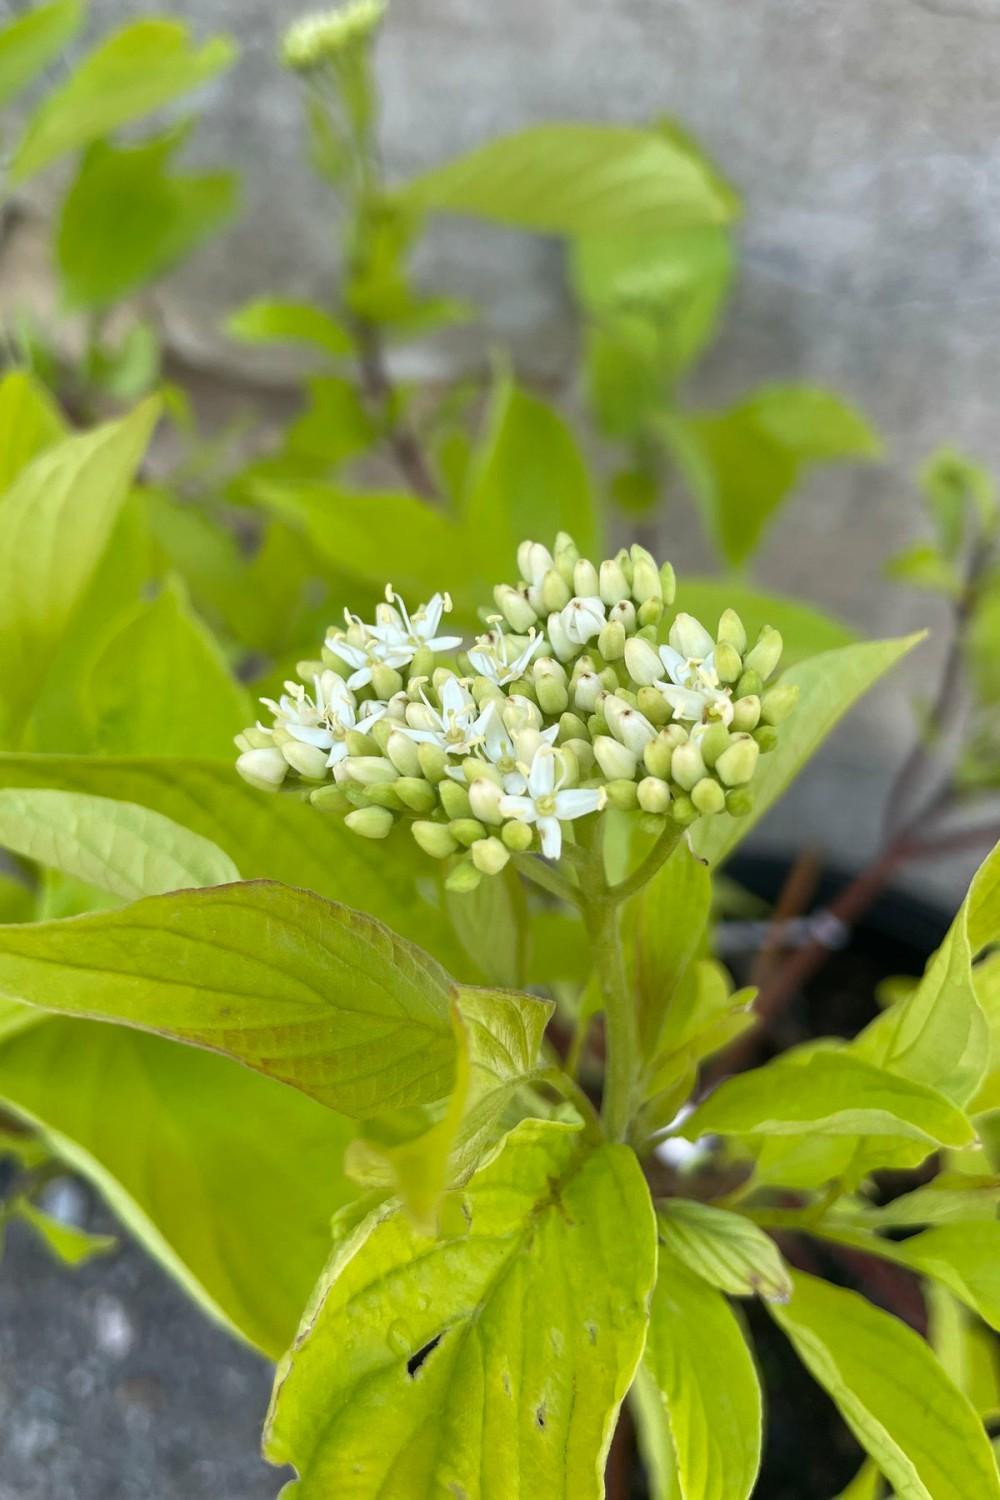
496,656
365,651
457,727
582,619
325,720
511,750
546,804
399,630
694,692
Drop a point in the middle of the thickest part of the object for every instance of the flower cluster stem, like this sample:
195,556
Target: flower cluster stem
621,1024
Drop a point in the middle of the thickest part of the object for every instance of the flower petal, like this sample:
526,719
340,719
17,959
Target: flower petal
551,833
577,802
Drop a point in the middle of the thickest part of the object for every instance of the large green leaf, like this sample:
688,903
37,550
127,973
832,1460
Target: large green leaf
29,422
55,521
267,321
703,1370
226,1177
317,995
828,685
267,837
724,1249
127,218
30,42
117,846
571,178
828,1092
963,1257
161,686
892,1392
490,1361
138,69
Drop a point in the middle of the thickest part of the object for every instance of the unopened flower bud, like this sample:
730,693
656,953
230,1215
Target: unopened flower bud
383,730
489,856
732,630
404,753
567,555
652,703
463,878
514,607
728,664
369,769
623,795
517,836
713,742
649,613
559,640
739,802
668,582
480,770
632,729
264,769
433,761
765,653
658,755
614,759
736,765
653,794
683,811
454,798
555,591
750,685
583,752
687,766
766,737
571,766
550,682
643,662
308,760
690,638
386,681
572,727
585,579
708,796
520,713
359,743
587,689
254,738
623,613
534,561
466,830
330,799
778,702
381,794
611,641
434,839
370,822
484,801
415,793
746,713
613,583
646,582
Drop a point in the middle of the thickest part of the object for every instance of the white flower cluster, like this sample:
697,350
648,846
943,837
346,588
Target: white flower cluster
567,702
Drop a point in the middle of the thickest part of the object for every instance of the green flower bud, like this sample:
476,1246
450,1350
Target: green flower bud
708,796
750,685
422,664
778,702
586,690
683,811
265,768
566,554
489,856
466,830
611,641
658,755
653,794
571,766
713,742
614,759
727,662
652,704
370,822
583,751
382,732
463,878
515,608
308,760
369,769
483,689
555,591
623,614
454,798
330,799
382,794
524,687
613,585
766,737
623,795
586,584
732,630
572,727
484,801
386,681
687,766
628,725
361,744
735,766
254,738
517,836
766,653
551,689
404,753
475,769
433,761
668,582
650,614
652,824
597,724
746,714
643,662
434,839
646,583
416,794
739,802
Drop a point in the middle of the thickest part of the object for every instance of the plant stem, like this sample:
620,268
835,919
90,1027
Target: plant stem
376,383
621,1026
534,868
644,872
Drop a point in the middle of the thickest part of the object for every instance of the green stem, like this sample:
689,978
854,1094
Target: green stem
644,872
549,878
620,1021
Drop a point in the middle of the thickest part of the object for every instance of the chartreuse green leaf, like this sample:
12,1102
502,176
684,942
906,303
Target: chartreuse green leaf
127,218
655,1444
316,995
939,1034
963,1257
73,1246
949,1198
491,923
573,178
118,846
29,422
664,926
227,1178
30,42
724,1249
699,1361
489,1361
138,69
162,654
966,1348
829,685
55,521
828,1092
268,321
277,838
892,1392
867,1484
805,631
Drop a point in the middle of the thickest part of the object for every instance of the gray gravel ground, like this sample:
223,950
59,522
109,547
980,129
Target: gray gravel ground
113,1386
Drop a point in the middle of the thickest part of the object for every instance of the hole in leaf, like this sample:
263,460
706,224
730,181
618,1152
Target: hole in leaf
416,1360
540,1416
